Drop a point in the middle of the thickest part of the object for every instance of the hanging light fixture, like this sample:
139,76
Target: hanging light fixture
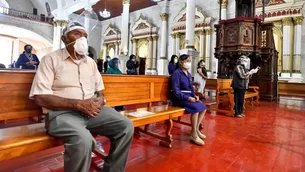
105,13
156,0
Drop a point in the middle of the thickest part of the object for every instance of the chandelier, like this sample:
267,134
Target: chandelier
105,13
156,0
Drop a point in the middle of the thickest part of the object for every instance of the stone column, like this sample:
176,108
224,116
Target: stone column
287,40
116,49
134,46
87,21
224,6
124,30
189,37
208,48
104,51
149,54
154,56
16,52
174,51
214,61
201,45
190,24
298,21
55,38
177,41
163,48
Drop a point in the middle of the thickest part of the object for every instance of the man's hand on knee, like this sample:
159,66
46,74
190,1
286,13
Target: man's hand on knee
91,107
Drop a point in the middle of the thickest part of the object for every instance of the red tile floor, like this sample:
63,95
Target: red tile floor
270,138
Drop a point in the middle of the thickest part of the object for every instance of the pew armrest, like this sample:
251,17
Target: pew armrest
254,88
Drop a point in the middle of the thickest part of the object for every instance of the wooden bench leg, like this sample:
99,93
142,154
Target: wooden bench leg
167,141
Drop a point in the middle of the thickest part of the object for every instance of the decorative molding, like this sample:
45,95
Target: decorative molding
298,20
287,21
149,38
201,20
164,16
60,23
112,34
142,28
224,4
200,32
278,24
208,31
126,2
155,37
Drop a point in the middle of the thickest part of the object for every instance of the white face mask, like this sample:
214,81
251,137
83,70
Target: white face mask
175,60
81,46
187,65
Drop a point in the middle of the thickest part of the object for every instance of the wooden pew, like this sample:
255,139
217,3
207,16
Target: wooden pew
291,89
119,90
225,96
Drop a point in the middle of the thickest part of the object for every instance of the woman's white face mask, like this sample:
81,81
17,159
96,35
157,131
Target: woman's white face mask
81,46
187,65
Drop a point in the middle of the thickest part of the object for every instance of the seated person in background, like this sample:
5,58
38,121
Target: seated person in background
106,63
27,60
2,66
114,69
66,85
114,66
172,64
240,81
100,65
132,65
201,77
183,96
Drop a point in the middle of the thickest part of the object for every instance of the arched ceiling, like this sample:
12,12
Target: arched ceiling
24,35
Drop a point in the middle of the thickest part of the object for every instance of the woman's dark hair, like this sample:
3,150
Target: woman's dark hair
173,58
181,58
132,56
198,64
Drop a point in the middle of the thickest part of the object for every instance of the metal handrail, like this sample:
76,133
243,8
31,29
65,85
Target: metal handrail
25,15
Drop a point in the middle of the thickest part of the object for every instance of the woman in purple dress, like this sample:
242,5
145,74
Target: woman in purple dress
183,96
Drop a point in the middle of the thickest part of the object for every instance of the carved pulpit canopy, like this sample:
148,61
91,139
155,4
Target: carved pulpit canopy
201,20
112,34
143,28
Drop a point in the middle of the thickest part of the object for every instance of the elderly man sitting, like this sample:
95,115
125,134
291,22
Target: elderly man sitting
66,85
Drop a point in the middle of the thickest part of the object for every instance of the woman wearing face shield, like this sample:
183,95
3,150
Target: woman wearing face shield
241,75
172,64
183,96
114,66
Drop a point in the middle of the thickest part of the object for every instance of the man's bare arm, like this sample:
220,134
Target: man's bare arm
91,107
56,102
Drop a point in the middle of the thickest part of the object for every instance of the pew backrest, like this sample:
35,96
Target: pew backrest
119,90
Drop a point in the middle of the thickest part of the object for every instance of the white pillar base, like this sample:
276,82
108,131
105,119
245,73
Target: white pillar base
296,75
285,75
162,67
123,60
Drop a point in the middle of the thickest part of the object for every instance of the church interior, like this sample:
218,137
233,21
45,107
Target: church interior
150,35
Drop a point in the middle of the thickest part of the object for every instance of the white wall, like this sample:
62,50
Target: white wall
21,5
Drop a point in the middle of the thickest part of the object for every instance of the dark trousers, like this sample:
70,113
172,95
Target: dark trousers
239,97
